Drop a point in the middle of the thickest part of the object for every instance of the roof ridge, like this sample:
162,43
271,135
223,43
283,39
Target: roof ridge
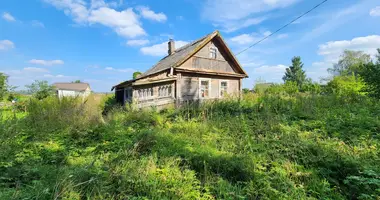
176,53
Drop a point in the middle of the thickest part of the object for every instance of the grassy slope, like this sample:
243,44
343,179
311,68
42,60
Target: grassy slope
269,147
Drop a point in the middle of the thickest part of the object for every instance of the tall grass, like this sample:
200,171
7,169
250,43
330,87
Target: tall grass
269,146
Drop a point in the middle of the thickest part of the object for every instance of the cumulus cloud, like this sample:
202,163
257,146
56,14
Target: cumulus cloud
35,69
278,69
6,45
126,70
147,13
160,49
36,23
239,14
246,39
333,49
375,12
125,23
137,42
8,17
46,62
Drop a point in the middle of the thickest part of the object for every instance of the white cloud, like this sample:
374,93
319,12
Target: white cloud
125,23
243,39
331,52
375,12
137,42
127,70
147,13
46,62
8,17
237,14
333,49
35,69
276,69
282,36
59,76
160,49
74,8
247,39
36,23
6,44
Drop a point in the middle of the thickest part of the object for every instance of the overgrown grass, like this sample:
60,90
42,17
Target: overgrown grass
261,147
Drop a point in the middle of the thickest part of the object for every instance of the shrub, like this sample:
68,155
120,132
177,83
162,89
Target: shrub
349,86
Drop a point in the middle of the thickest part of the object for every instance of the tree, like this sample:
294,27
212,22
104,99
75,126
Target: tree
350,63
76,81
3,85
371,76
40,89
136,74
295,73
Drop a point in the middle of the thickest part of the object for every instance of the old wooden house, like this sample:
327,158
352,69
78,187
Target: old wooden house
201,70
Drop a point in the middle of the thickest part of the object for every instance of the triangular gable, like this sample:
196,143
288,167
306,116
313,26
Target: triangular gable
221,44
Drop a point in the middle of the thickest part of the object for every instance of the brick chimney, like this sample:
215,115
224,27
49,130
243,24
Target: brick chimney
171,47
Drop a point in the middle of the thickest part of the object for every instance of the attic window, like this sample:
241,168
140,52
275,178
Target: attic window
213,51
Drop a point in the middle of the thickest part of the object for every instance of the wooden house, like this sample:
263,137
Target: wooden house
72,89
201,70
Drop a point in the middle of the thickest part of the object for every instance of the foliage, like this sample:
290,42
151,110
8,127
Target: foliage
76,81
281,144
295,73
371,76
108,104
3,85
350,63
136,74
246,90
40,89
349,86
310,87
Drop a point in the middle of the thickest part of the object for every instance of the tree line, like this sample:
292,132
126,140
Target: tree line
355,72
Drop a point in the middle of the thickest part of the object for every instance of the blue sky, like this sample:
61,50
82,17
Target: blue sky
103,42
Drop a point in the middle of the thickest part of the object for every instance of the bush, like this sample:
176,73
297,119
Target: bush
349,86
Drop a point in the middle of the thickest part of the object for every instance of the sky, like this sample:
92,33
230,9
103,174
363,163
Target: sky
103,42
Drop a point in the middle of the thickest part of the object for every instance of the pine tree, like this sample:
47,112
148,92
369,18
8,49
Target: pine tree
295,73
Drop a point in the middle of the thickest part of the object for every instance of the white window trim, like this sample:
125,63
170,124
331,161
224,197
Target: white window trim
216,52
209,87
220,86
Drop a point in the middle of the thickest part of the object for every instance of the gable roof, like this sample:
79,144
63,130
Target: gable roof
182,54
71,86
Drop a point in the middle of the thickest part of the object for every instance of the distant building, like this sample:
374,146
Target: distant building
201,70
72,89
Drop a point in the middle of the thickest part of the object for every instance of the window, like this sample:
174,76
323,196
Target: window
204,88
165,91
213,51
223,86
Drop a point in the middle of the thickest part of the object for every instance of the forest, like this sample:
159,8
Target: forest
295,140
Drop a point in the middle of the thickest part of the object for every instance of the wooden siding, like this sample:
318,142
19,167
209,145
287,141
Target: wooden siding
189,84
202,61
154,100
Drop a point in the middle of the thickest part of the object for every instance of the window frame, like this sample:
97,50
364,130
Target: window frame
200,86
220,87
213,50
